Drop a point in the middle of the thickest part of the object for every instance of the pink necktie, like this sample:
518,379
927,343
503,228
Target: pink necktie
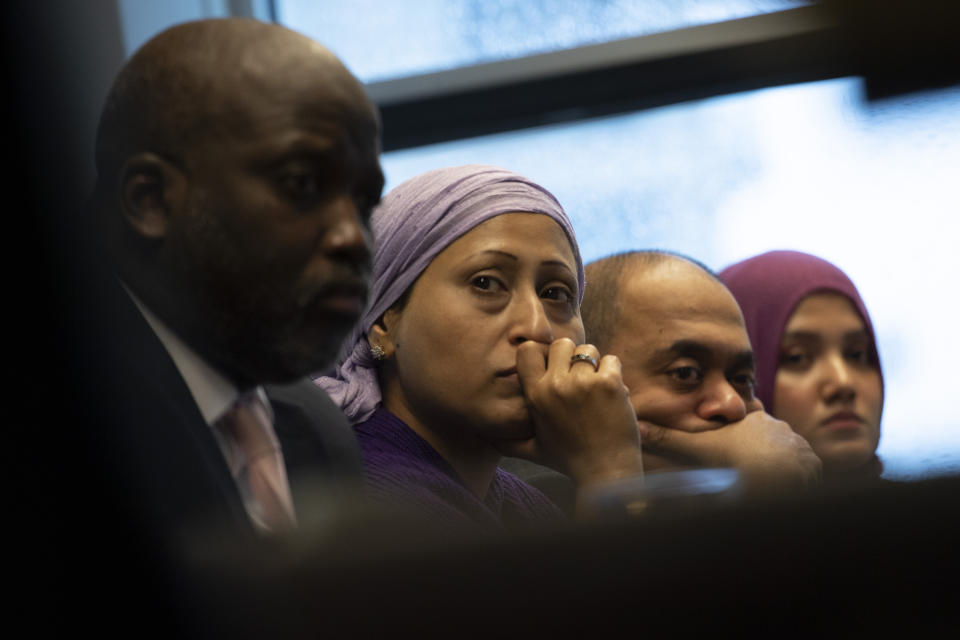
249,424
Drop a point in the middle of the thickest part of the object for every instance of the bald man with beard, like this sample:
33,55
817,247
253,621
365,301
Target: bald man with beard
237,166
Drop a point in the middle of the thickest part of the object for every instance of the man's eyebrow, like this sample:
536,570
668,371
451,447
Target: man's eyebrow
312,146
683,349
743,360
279,155
301,143
699,351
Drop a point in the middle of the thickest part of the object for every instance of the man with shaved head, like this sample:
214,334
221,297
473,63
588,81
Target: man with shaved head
687,361
237,166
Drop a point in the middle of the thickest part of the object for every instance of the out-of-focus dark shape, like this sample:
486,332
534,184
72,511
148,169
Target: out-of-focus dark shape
901,46
866,563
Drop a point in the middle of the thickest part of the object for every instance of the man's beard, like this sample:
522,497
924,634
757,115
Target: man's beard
252,329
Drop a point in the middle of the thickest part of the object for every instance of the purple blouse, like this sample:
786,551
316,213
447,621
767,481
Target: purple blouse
403,471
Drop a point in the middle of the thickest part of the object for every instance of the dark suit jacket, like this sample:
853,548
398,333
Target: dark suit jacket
124,483
148,433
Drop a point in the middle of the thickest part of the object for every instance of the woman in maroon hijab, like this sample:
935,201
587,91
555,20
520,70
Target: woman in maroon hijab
816,356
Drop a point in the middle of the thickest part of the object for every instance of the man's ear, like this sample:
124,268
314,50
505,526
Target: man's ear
151,190
382,333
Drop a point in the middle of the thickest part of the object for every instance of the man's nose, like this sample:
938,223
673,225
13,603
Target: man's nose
721,402
528,319
347,235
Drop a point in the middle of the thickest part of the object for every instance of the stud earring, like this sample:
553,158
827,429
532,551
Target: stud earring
377,352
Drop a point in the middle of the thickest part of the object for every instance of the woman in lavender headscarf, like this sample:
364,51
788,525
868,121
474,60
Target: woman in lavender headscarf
471,348
816,356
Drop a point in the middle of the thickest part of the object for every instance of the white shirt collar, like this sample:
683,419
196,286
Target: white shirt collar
214,394
211,390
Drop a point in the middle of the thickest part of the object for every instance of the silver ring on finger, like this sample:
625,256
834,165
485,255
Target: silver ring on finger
583,357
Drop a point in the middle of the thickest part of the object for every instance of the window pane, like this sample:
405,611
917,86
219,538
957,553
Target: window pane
382,39
808,167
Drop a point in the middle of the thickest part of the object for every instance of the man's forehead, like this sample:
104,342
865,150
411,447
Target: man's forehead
658,310
677,290
266,108
700,338
234,74
304,71
714,331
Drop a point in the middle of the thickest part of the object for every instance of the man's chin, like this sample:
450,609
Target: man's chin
333,319
283,369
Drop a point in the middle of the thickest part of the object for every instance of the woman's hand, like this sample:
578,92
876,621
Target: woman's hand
583,422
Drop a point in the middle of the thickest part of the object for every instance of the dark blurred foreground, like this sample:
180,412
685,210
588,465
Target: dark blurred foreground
876,562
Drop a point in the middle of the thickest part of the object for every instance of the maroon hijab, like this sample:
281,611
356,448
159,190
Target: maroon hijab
768,288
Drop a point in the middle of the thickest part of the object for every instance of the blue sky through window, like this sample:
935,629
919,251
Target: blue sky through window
393,39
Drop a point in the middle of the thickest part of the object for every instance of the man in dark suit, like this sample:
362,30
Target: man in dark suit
237,165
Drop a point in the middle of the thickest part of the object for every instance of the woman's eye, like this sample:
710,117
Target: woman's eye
860,356
794,359
487,283
561,294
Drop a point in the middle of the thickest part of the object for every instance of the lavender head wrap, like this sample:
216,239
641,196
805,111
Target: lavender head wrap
768,288
416,221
